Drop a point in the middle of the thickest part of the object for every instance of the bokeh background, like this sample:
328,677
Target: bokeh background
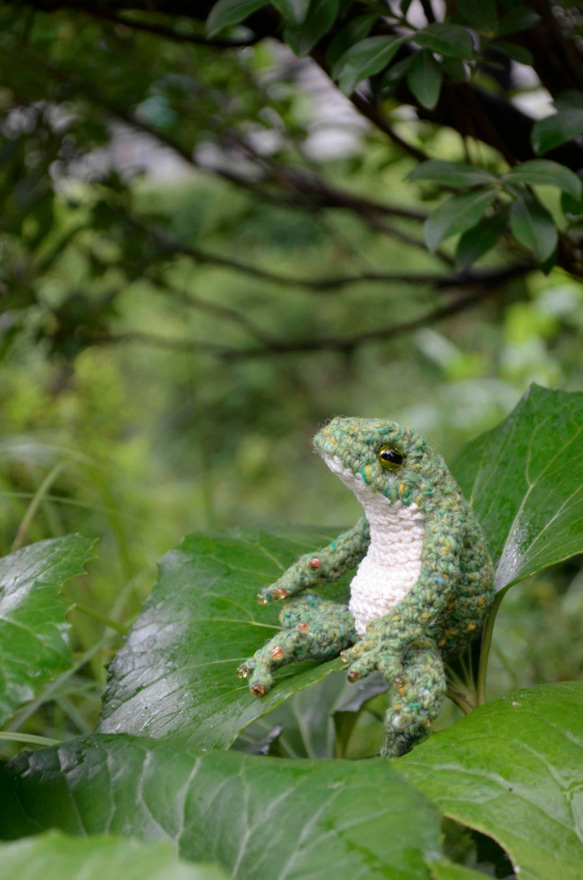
167,222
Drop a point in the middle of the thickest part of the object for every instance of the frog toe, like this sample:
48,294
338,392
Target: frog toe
260,682
271,594
361,667
246,668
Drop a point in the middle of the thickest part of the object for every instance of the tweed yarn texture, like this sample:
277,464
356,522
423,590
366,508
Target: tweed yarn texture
422,589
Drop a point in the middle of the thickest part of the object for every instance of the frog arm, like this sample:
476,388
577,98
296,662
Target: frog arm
323,566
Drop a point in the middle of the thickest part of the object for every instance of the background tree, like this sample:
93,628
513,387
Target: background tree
209,83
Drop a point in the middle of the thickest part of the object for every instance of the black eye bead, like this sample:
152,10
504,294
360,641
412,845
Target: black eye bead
390,458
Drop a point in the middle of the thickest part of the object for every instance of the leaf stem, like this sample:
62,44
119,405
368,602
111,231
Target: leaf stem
486,645
101,618
29,738
52,688
36,501
460,698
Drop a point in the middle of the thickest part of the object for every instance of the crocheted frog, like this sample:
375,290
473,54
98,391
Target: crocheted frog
422,588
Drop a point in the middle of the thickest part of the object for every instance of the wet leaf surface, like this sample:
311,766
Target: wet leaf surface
450,871
261,818
513,769
34,635
177,670
54,856
525,482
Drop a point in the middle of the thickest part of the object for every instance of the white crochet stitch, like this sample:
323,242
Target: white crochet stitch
392,564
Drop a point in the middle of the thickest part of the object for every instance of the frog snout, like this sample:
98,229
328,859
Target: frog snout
337,431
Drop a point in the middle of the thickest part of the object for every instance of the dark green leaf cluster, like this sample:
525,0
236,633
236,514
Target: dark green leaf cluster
85,82
530,222
411,63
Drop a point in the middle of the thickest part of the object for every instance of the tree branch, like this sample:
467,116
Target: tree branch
326,285
314,192
170,34
316,344
428,10
218,311
557,57
373,114
294,180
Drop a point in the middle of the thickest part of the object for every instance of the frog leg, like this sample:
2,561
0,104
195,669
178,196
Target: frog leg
322,566
312,629
416,701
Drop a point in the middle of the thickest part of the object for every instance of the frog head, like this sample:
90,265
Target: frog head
375,457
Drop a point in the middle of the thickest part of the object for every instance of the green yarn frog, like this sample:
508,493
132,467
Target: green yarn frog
422,589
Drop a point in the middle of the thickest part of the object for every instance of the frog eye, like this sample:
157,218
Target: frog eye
390,457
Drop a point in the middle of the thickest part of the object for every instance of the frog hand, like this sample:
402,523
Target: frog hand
281,589
302,575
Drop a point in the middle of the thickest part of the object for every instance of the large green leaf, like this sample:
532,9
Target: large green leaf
294,11
55,856
320,18
446,38
452,173
566,123
230,12
176,672
533,226
424,78
262,818
525,482
456,215
449,871
513,770
364,59
34,635
478,240
545,173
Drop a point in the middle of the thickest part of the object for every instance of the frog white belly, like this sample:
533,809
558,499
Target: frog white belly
393,562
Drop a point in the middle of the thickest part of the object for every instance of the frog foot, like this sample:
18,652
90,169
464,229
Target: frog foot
367,655
305,574
416,701
312,629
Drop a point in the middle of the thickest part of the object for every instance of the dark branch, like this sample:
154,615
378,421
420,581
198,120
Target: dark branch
146,273
218,311
474,112
326,285
170,34
295,180
345,344
374,115
428,10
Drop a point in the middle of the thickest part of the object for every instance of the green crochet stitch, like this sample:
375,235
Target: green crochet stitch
422,588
